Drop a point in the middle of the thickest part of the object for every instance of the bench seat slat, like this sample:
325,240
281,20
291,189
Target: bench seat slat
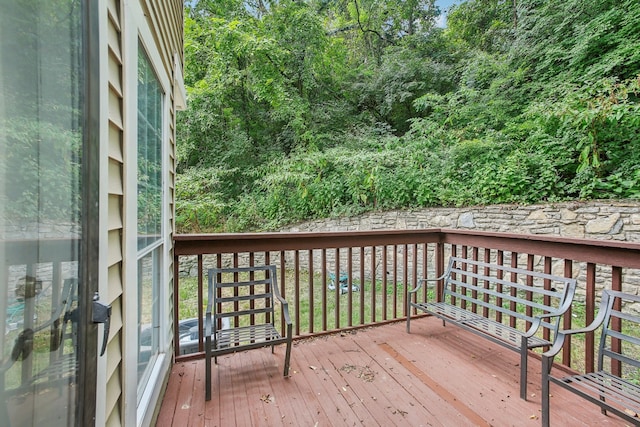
488,326
504,332
450,311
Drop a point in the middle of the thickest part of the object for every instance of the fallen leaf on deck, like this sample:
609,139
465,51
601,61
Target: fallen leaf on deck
313,368
399,411
267,398
367,374
348,368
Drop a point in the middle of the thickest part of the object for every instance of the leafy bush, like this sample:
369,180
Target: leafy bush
199,205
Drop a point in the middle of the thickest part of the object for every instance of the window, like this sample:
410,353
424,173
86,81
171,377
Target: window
149,215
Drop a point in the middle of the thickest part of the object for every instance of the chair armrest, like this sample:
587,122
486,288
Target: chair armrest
597,322
285,309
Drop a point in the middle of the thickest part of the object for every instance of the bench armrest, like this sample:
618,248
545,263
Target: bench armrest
421,281
535,324
566,304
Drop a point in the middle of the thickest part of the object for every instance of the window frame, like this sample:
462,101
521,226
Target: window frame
139,405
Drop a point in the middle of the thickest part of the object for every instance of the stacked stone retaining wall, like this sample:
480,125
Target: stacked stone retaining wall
606,219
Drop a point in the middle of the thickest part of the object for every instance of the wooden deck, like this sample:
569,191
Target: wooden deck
380,376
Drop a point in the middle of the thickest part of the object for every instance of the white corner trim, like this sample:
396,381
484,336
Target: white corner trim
180,95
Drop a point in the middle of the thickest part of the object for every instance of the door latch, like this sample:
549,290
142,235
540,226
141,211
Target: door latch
101,314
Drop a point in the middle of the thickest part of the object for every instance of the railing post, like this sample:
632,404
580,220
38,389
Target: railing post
176,304
566,350
590,309
616,323
439,253
296,280
311,291
200,303
337,291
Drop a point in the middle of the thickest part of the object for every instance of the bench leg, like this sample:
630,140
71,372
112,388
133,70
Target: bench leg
546,370
523,369
207,368
408,314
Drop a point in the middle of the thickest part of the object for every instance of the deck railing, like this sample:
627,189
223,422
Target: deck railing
377,268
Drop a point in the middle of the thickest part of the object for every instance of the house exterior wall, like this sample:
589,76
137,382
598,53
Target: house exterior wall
158,26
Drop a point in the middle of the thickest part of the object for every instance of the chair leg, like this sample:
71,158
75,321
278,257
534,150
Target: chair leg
287,358
546,370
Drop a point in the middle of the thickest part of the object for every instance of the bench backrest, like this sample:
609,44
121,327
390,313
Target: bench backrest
620,339
509,295
242,296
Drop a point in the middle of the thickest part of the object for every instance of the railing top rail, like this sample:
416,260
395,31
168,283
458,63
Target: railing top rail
615,253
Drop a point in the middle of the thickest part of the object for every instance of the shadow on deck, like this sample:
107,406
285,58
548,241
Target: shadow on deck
435,376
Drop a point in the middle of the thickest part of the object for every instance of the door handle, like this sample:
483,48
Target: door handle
101,314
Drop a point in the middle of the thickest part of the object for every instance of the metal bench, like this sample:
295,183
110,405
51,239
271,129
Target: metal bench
614,386
245,296
520,312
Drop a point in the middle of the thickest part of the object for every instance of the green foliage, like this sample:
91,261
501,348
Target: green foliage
301,110
482,24
579,39
198,204
602,120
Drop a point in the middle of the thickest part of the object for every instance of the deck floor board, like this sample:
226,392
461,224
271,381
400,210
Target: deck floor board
378,376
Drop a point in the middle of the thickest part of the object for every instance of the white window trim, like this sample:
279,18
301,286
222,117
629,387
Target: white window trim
135,31
180,95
